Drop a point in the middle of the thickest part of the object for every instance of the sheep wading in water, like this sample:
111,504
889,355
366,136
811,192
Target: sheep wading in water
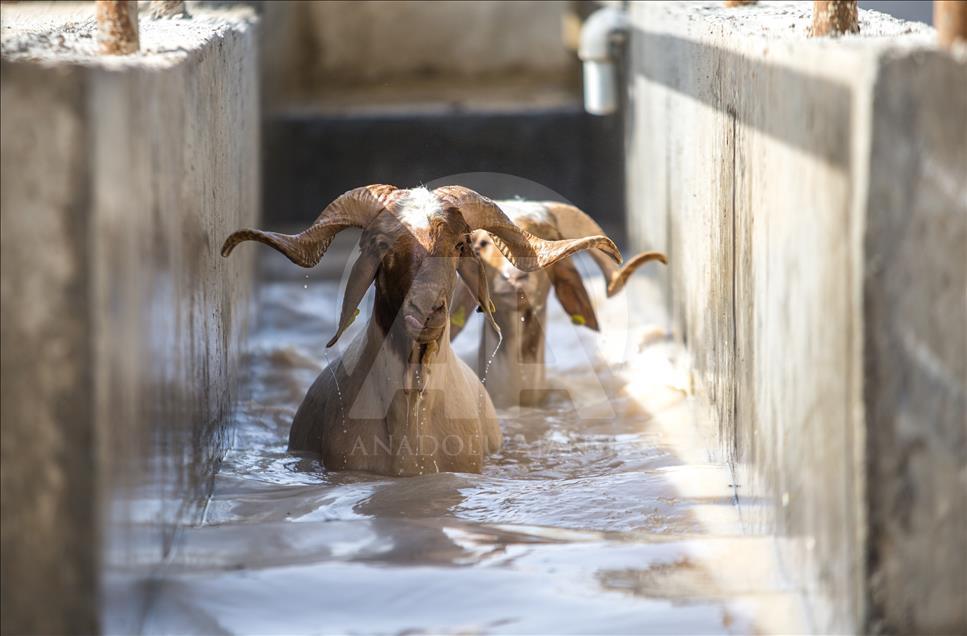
399,401
518,372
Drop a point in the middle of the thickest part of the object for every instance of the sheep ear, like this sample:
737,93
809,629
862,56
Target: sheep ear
461,308
571,293
360,278
471,270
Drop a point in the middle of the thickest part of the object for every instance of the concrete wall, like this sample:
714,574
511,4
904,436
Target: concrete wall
811,198
915,343
122,326
408,92
312,48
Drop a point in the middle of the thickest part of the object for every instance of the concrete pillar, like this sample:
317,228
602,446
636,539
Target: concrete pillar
835,17
950,20
117,26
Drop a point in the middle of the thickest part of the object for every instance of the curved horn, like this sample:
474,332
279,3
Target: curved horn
356,208
573,223
524,250
361,277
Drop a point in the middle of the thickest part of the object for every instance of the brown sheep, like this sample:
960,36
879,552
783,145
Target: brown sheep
398,401
518,372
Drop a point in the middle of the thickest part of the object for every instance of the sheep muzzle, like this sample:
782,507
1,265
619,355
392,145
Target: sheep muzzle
424,309
428,329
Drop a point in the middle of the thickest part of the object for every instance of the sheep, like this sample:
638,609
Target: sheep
399,401
518,371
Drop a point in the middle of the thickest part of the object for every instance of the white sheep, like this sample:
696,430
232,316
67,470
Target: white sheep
398,401
517,375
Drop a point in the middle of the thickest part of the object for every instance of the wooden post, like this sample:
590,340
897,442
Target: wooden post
739,3
835,17
166,9
117,26
950,20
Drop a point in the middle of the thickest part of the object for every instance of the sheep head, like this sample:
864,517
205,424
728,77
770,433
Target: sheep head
521,296
414,244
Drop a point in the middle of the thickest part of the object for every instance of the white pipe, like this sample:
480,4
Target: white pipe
600,74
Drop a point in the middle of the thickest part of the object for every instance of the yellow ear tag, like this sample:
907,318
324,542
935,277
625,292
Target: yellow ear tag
355,316
459,317
578,319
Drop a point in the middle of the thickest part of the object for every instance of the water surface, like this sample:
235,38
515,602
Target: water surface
601,519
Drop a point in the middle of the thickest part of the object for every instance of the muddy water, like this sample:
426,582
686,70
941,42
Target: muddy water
600,514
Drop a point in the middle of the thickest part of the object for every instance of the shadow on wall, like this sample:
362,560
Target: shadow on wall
311,159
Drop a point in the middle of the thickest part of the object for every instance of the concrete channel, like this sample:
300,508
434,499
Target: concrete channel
773,435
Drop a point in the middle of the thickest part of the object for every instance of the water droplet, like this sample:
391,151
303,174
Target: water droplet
342,406
490,360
